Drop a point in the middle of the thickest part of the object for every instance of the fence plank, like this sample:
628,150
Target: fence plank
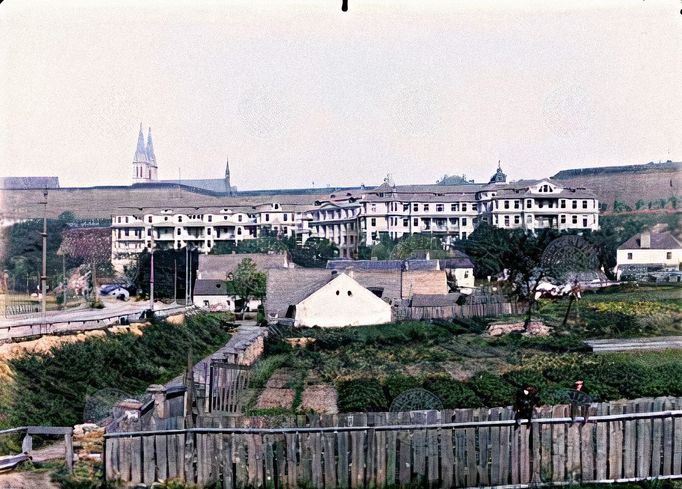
405,446
136,460
391,452
546,452
432,448
161,456
471,465
329,459
124,457
644,427
380,447
494,437
587,449
227,465
149,460
419,445
483,468
559,448
343,473
667,449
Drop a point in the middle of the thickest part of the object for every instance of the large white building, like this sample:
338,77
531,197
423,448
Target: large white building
354,217
648,250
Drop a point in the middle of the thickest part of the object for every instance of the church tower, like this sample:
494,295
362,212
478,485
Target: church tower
144,161
499,176
228,186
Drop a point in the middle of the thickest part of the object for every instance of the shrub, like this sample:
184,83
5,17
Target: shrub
492,390
452,393
361,395
397,384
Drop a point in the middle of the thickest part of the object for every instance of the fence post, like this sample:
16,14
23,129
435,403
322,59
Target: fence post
68,447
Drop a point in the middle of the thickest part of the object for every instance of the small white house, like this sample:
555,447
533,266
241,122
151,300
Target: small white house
218,295
654,250
341,302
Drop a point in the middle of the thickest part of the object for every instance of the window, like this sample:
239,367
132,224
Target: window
267,217
149,232
439,207
517,204
574,204
239,230
415,207
415,221
464,235
119,220
506,204
208,231
149,219
406,207
179,231
373,222
466,273
563,204
506,221
406,222
529,219
584,222
563,218
529,204
454,207
126,232
239,218
464,221
286,217
464,207
574,220
179,218
210,218
474,207
584,204
629,256
517,219
669,255
426,207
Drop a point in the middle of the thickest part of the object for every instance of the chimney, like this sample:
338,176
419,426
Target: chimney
645,239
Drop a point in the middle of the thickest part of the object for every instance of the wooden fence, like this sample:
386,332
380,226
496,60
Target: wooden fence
625,440
456,311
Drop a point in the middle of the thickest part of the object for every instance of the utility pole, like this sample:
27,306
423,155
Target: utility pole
186,273
64,281
43,276
175,279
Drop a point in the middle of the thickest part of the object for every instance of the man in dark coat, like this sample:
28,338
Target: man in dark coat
526,400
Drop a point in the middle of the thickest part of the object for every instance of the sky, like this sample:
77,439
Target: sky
301,94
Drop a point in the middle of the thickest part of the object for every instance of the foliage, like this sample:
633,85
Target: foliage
452,393
396,384
248,282
51,388
315,253
264,368
492,390
85,475
361,395
409,244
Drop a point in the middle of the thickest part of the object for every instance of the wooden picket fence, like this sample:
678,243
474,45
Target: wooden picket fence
623,440
455,311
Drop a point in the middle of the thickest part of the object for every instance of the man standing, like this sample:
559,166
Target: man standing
580,398
526,400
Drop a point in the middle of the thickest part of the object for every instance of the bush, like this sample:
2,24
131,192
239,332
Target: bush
359,395
452,393
492,390
397,384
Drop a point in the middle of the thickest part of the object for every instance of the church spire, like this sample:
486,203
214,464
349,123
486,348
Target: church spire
227,169
151,157
140,152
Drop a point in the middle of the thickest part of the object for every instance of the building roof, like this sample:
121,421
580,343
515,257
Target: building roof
659,241
215,185
382,264
28,183
286,287
213,287
434,300
218,266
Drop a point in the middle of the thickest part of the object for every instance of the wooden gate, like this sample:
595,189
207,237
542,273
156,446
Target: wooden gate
227,383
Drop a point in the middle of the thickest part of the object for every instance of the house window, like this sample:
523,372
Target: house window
286,217
205,303
516,204
466,274
506,204
584,222
464,221
629,256
210,218
239,230
126,232
208,231
179,231
563,219
415,207
454,207
584,204
373,222
517,219
529,204
474,207
149,232
563,204
239,218
574,204
529,219
149,219
464,235
267,217
179,218
439,207
426,207
669,255
464,207
506,221
415,221
406,222
574,220
406,207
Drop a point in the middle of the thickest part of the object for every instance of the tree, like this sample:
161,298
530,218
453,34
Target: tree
486,247
640,204
248,282
409,244
315,253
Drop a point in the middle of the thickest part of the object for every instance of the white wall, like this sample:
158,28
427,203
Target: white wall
224,302
646,255
332,306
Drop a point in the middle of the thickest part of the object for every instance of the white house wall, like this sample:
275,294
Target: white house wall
332,306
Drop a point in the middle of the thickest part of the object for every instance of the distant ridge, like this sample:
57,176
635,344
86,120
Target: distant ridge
667,166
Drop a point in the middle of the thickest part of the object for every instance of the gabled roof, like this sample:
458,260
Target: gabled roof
286,287
382,264
218,266
213,287
659,241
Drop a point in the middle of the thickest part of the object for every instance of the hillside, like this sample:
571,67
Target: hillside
629,184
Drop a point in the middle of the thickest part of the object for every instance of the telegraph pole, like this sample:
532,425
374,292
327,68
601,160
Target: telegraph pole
151,278
43,276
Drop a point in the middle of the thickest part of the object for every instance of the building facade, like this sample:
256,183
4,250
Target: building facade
361,217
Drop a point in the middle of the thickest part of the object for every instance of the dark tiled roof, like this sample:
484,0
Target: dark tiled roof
382,264
434,300
28,183
456,262
213,287
218,266
659,241
286,287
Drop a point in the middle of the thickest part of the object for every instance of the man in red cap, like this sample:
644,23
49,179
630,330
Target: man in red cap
580,399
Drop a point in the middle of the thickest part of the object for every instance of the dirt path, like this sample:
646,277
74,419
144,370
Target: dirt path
27,480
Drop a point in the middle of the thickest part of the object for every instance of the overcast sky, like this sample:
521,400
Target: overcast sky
296,92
